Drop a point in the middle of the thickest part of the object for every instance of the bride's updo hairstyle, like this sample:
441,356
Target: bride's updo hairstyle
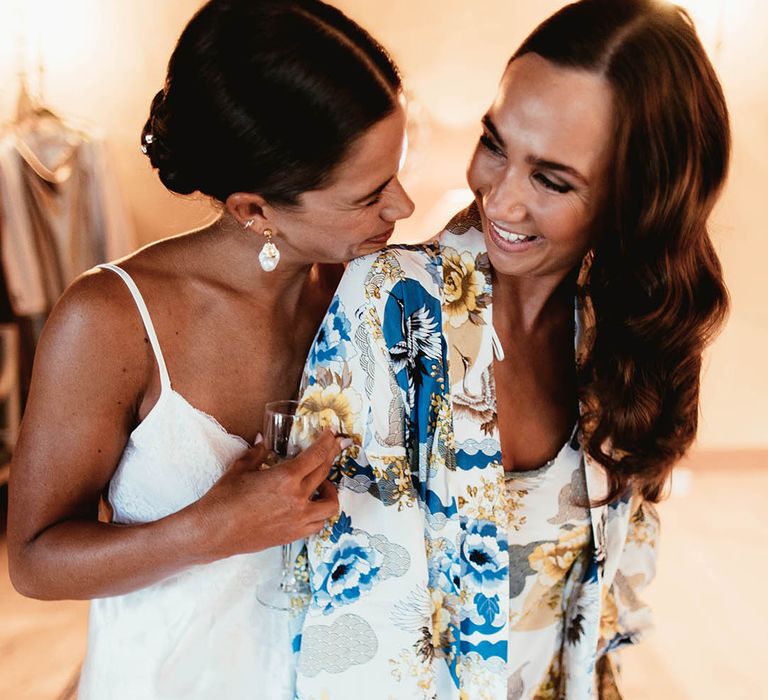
266,96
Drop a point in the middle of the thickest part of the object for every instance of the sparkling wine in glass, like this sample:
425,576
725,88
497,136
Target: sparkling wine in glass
282,431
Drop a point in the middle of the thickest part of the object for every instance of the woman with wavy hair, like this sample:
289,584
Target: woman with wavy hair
519,390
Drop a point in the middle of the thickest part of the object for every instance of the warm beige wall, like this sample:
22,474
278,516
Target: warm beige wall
105,59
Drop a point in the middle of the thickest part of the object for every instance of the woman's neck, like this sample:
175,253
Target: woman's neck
528,304
235,251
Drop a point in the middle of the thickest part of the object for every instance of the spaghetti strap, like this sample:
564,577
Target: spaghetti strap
165,382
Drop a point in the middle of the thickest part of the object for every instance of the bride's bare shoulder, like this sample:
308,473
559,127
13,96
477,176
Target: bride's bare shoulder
99,303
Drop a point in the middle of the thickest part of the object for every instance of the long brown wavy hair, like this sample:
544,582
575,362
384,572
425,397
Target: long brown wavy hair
653,281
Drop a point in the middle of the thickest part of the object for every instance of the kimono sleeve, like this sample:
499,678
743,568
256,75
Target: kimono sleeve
350,384
361,562
625,617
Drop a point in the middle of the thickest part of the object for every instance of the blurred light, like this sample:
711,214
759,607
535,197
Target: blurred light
709,17
449,204
403,153
50,36
417,136
681,482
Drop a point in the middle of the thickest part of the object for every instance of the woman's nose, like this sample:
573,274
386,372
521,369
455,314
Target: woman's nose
505,201
400,205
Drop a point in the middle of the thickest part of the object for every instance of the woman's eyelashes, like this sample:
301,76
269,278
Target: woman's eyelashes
376,198
487,142
374,201
560,187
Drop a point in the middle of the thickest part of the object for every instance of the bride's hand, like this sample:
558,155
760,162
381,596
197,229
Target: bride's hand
251,508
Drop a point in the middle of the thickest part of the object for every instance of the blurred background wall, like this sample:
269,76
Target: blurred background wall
103,61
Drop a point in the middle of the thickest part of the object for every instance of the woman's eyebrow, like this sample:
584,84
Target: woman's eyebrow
375,192
488,124
534,160
553,165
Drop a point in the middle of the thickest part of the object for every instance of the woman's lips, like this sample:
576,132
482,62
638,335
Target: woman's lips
382,238
509,240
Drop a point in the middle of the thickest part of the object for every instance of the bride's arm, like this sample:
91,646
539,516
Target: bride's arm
91,371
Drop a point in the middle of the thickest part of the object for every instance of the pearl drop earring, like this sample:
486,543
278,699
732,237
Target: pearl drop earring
269,255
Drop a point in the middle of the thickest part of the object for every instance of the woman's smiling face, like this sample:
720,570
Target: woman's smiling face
540,169
355,214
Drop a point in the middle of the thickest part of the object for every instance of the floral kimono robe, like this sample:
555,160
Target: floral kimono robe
410,584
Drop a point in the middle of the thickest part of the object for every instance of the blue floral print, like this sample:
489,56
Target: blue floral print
485,554
332,340
349,567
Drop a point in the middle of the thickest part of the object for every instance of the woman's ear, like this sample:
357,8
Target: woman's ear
246,206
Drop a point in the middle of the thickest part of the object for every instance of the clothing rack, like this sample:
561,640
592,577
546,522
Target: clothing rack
17,335
61,213
10,392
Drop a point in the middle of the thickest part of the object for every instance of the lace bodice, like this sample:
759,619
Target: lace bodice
200,633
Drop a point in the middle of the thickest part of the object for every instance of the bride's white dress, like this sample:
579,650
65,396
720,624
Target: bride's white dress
200,634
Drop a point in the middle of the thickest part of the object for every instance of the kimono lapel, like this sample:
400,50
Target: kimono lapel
477,481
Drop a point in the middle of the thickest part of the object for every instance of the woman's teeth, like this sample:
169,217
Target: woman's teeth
512,237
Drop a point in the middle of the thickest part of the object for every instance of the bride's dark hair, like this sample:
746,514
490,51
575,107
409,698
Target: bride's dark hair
266,96
653,281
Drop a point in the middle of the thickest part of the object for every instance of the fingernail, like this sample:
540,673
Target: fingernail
344,443
259,438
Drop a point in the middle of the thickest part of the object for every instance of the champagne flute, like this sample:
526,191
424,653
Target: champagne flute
282,429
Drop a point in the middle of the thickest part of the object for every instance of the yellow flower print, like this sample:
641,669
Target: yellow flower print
549,688
394,475
609,615
327,407
441,619
374,325
486,500
415,674
385,268
643,525
553,560
514,502
464,288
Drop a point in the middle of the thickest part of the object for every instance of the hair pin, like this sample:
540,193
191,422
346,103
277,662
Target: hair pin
148,139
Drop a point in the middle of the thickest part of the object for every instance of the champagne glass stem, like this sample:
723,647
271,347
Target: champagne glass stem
288,580
279,423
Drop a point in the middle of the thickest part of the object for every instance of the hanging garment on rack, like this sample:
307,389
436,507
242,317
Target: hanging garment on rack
28,329
60,211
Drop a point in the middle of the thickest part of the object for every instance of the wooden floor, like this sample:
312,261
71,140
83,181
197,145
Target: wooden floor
709,596
41,643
